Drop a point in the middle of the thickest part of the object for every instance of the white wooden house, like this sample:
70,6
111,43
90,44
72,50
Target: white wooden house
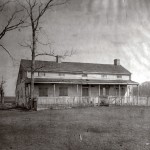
72,82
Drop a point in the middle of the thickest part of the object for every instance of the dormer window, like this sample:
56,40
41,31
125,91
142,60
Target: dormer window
41,74
84,75
104,76
119,76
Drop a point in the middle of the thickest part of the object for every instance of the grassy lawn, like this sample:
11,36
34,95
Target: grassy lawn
99,128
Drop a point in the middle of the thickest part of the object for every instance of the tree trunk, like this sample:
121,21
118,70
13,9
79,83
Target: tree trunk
2,97
32,81
32,66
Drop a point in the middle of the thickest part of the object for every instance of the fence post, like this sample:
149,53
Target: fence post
147,100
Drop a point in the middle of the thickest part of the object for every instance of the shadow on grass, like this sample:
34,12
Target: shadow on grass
13,107
98,130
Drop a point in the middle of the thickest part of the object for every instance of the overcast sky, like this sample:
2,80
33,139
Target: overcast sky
99,31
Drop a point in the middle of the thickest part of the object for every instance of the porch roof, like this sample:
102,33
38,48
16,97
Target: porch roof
82,81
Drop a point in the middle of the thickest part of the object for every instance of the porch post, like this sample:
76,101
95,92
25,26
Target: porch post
120,95
99,90
89,94
99,93
77,90
81,93
29,89
81,90
78,96
89,90
54,90
54,94
119,90
137,94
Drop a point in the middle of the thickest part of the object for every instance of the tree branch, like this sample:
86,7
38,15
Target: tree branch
41,12
7,51
26,45
45,54
8,26
51,53
3,5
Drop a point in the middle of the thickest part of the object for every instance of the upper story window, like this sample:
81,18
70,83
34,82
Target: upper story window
61,74
104,76
119,76
84,75
40,74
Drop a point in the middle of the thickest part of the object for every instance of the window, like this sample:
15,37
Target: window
104,76
43,91
63,91
104,91
61,74
84,75
40,74
85,91
119,76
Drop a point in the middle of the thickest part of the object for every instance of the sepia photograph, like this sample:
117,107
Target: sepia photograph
74,74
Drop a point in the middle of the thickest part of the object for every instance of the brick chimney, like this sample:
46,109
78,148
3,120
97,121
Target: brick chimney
58,59
116,62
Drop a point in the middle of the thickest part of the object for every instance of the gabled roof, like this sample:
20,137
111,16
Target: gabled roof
74,67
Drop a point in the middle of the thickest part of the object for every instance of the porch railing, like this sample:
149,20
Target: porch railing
130,100
67,100
85,101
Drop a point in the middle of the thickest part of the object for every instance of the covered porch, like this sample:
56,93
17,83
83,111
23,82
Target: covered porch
50,102
81,92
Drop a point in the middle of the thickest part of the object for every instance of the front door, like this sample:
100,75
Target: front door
85,94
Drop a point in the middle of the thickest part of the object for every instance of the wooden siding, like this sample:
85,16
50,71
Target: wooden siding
78,76
20,94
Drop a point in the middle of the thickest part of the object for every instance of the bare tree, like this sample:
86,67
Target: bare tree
13,22
2,93
35,10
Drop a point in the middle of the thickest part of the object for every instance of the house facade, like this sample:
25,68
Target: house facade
72,82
